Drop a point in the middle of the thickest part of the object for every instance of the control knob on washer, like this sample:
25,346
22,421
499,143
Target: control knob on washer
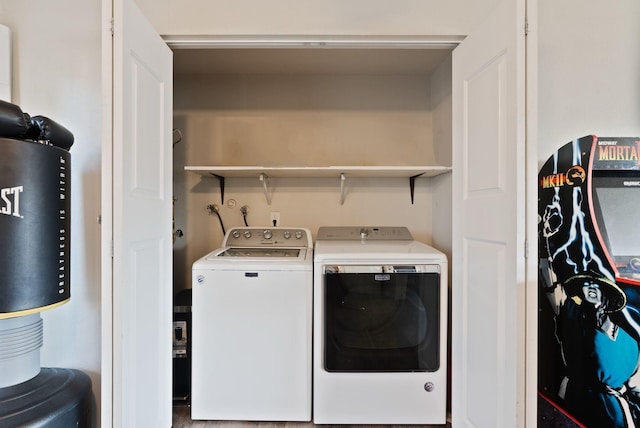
298,234
287,234
267,234
235,234
247,234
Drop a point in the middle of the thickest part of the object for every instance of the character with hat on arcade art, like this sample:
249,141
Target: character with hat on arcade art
601,358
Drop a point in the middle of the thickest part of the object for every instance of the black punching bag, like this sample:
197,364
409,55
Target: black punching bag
34,226
34,271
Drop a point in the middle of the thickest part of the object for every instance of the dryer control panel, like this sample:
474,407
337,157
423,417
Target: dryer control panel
364,233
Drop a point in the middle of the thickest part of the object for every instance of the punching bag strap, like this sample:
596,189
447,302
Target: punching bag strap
13,122
53,132
16,124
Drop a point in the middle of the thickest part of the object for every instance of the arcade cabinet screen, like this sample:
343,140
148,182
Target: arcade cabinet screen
617,208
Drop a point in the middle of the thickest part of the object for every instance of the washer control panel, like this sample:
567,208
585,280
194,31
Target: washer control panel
268,236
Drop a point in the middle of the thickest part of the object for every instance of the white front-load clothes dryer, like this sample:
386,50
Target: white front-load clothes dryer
252,327
380,336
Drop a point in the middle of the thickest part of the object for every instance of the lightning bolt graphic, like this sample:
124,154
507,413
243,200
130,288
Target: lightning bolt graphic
578,233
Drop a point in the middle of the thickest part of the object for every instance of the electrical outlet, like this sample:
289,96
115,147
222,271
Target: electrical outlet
275,219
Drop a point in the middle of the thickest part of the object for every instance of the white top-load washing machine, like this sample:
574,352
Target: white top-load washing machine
252,327
380,328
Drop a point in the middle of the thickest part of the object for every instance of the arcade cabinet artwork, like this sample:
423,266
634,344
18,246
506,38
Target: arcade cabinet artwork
589,284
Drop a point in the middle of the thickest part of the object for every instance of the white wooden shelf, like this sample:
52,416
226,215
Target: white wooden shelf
263,173
320,172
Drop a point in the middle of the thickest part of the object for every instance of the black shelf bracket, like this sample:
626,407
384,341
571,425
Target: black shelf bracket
221,180
412,185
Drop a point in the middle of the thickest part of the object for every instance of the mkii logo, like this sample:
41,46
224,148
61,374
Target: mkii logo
574,176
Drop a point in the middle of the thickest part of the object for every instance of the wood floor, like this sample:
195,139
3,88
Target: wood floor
182,419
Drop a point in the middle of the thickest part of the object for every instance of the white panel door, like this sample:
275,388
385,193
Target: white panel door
488,227
142,242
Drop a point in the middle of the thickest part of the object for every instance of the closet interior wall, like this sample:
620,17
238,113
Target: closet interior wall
309,108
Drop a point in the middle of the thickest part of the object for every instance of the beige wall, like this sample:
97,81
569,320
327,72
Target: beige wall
321,17
589,71
309,120
5,63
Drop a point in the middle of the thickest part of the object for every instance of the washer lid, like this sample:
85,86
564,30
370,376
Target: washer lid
385,252
261,252
233,258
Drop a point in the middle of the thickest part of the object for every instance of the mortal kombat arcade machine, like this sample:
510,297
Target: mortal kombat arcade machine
589,284
34,272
